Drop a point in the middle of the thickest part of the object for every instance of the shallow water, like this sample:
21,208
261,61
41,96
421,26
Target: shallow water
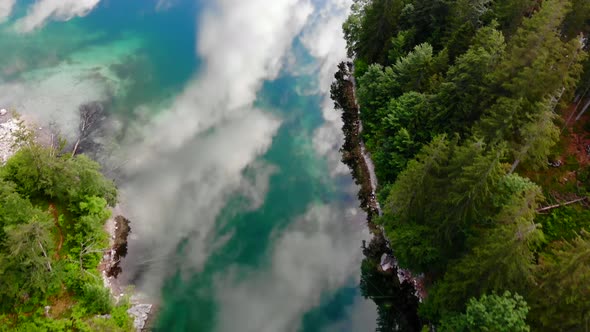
243,218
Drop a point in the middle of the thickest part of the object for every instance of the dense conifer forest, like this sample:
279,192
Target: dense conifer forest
474,113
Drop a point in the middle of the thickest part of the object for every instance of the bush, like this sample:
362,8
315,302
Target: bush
96,299
120,316
564,223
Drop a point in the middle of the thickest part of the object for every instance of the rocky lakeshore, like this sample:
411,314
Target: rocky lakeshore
380,271
141,309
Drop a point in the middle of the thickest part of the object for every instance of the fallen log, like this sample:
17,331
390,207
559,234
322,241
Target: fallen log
551,207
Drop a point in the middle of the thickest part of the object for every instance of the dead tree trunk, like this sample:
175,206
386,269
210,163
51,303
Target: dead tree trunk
551,207
90,116
45,255
583,110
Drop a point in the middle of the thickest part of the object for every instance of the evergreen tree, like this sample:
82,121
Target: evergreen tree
376,88
466,93
470,92
578,19
539,137
403,132
413,71
501,257
510,13
371,27
438,199
429,19
560,300
467,16
534,54
29,248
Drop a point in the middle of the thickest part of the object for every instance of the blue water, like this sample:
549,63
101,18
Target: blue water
151,57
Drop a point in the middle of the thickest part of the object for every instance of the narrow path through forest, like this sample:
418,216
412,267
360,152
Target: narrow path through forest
55,214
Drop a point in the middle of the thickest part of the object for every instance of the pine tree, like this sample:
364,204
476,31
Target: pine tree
404,129
560,300
533,52
438,199
538,138
28,253
501,257
510,13
371,27
466,93
413,71
412,202
429,19
578,19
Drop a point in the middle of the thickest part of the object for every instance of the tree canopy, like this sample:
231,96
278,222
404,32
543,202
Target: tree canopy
52,210
464,105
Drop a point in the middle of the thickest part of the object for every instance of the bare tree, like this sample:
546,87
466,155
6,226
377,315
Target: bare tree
91,115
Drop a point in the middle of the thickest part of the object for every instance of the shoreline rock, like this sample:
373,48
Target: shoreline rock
8,137
141,309
357,158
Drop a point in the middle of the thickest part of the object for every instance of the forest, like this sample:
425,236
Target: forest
474,114
53,206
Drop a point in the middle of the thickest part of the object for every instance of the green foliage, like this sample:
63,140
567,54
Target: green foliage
510,13
536,54
65,180
560,301
120,316
52,209
564,223
439,200
96,299
370,27
403,132
501,256
27,251
455,98
578,19
376,88
539,136
399,45
353,26
466,93
413,71
506,313
429,19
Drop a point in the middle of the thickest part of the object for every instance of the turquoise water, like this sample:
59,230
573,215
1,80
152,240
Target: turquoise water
254,232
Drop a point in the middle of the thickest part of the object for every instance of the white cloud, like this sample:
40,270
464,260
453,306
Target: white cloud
60,10
320,252
324,40
193,156
54,98
54,94
163,5
317,255
6,7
